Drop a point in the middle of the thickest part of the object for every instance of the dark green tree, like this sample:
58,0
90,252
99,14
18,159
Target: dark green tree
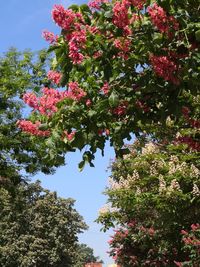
85,254
38,228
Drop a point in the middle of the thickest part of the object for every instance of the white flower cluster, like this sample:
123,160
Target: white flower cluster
195,190
163,188
194,171
162,184
156,166
181,168
107,209
123,182
150,148
174,186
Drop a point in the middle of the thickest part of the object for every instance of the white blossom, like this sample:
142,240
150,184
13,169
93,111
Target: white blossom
162,184
195,190
194,171
150,148
174,186
105,209
138,191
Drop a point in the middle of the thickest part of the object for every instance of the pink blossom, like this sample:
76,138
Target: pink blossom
183,232
76,92
105,88
54,76
49,36
161,20
32,128
165,68
31,100
179,264
120,14
63,17
97,54
121,109
96,4
107,131
69,136
191,143
142,105
88,102
77,41
195,227
123,45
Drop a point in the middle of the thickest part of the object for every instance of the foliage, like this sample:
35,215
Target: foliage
191,244
20,72
154,195
85,255
126,67
37,228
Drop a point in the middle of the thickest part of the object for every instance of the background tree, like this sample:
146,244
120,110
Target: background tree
20,72
85,255
38,228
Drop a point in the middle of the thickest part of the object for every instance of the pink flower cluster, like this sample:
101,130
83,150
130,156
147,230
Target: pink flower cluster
49,37
123,45
69,136
76,35
102,132
142,105
161,20
46,104
165,68
105,88
63,17
77,41
149,231
54,76
32,128
96,4
120,14
75,91
190,238
121,109
193,122
190,142
31,100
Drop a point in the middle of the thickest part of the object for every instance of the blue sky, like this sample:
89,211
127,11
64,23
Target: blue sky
22,22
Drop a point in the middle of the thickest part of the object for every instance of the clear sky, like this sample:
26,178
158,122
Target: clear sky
21,25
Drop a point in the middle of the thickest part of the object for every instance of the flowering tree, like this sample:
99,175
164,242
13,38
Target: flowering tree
126,67
154,197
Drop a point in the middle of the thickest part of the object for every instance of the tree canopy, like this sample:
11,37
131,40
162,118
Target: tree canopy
127,67
38,228
153,201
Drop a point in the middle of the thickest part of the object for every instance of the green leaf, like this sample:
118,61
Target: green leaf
197,35
85,8
75,8
113,99
81,165
108,14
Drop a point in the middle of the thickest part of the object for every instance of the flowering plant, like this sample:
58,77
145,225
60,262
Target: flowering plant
157,188
126,67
